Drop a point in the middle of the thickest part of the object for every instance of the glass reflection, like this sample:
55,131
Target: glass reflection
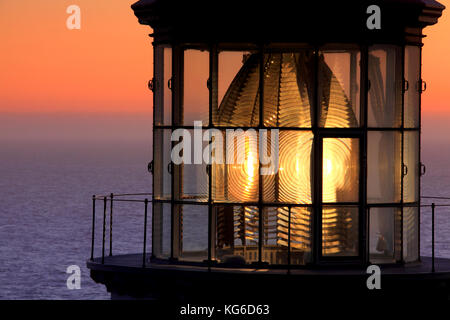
195,92
384,233
339,78
385,90
340,231
292,183
340,170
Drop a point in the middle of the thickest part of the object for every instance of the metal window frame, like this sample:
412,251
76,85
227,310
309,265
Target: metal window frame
319,133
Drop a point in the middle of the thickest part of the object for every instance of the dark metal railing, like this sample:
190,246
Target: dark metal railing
111,198
119,198
433,210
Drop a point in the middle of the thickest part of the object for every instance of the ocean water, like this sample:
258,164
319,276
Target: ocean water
436,183
46,208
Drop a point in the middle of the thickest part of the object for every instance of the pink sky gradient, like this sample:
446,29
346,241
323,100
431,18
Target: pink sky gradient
49,70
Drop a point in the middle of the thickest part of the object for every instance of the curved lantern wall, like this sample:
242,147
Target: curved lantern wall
348,125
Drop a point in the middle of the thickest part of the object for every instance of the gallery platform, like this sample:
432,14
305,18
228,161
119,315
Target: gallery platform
125,278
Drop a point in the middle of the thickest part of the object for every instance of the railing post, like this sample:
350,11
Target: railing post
432,237
145,232
110,225
93,227
104,229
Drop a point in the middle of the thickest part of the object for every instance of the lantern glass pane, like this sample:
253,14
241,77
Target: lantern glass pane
340,170
411,162
236,179
276,235
161,85
288,89
192,169
385,87
161,230
195,87
275,238
291,183
301,235
238,89
340,231
410,234
158,86
194,233
384,235
162,178
412,95
236,234
384,166
339,88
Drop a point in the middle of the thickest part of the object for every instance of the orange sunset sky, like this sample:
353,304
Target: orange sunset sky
104,67
46,67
